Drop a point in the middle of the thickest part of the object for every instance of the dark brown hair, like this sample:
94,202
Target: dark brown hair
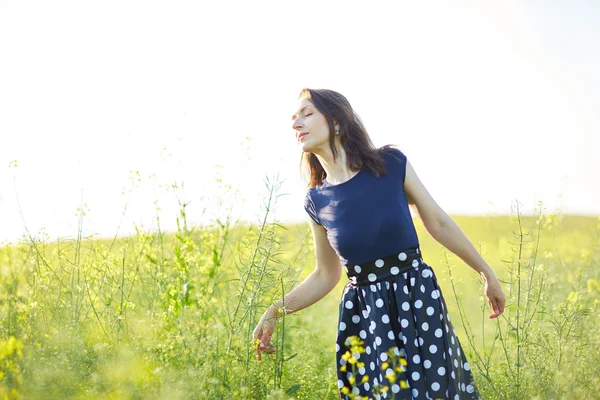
360,151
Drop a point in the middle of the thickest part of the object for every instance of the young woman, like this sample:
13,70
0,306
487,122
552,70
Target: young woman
358,201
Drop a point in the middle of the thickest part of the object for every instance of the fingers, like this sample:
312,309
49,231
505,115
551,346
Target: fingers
497,306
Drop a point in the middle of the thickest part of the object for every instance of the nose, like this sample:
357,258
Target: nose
297,124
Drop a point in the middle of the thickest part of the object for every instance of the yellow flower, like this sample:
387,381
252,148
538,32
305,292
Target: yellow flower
345,390
384,365
343,368
360,364
403,384
365,379
385,389
403,361
351,380
346,355
352,360
391,377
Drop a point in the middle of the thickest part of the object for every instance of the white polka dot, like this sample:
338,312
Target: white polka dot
379,263
422,289
458,351
456,397
452,375
365,314
412,281
395,286
415,393
363,334
395,388
356,355
405,306
391,335
470,389
375,381
418,304
415,376
433,348
356,390
404,323
372,366
415,263
349,304
402,256
420,341
395,270
373,287
435,294
383,356
425,326
357,268
416,359
342,326
342,361
452,339
427,364
385,319
378,341
355,319
372,278
425,273
340,384
435,386
450,351
462,386
455,364
429,310
405,289
441,371
404,339
367,386
438,332
466,366
361,370
368,349
379,303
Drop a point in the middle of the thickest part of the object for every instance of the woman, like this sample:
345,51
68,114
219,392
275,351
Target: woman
394,335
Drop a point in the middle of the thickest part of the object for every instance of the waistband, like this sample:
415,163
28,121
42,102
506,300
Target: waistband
385,267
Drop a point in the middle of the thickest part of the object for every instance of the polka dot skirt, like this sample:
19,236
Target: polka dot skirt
395,339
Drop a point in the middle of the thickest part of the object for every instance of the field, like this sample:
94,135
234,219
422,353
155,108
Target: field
170,315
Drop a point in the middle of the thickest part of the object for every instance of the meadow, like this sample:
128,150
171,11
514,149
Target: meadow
161,315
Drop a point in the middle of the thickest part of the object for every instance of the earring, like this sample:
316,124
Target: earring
337,132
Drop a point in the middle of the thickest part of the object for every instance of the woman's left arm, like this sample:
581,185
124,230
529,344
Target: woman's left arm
443,229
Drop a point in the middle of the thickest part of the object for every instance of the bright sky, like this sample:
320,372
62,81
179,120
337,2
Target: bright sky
491,102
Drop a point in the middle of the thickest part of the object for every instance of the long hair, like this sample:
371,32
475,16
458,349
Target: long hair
360,151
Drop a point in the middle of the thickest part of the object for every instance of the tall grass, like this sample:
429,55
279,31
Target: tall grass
159,315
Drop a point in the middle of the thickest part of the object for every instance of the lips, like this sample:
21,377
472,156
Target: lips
302,135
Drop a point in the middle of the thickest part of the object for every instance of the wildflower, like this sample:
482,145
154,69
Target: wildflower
345,390
404,384
403,361
352,380
384,365
391,376
343,368
365,379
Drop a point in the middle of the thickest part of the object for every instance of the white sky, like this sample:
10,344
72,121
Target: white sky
490,101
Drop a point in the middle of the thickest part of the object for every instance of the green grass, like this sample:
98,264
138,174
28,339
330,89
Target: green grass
156,315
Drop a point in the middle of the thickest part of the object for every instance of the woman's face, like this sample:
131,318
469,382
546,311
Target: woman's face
310,126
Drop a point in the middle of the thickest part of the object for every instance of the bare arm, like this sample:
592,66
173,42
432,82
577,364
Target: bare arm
444,230
321,281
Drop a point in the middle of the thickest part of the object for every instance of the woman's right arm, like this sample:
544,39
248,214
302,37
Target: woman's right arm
313,288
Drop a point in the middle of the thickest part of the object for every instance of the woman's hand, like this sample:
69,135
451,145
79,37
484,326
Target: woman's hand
495,296
262,333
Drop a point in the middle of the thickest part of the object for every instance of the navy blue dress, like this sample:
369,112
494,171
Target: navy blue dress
395,338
